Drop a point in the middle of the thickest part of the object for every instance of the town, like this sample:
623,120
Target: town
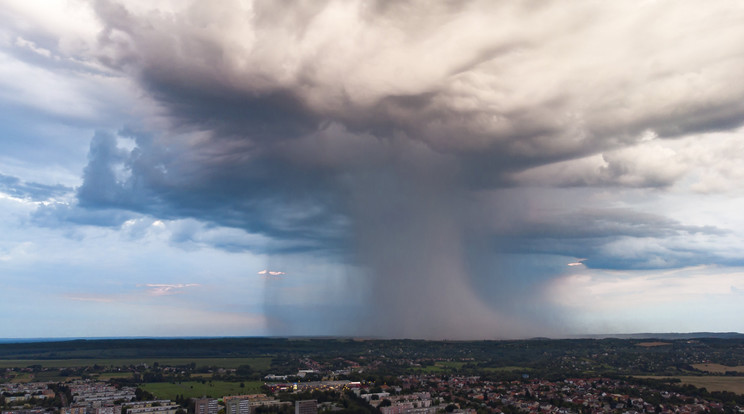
422,394
409,377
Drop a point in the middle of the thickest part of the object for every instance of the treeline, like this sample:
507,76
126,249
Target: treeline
396,357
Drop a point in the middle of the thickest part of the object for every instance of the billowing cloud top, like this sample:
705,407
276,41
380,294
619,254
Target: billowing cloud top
295,97
524,80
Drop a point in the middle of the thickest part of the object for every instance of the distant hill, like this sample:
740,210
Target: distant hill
670,335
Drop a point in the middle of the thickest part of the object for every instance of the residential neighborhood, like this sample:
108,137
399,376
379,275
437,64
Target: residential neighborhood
417,394
341,376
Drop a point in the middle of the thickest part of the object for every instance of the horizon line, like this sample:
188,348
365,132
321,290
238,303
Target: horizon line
637,335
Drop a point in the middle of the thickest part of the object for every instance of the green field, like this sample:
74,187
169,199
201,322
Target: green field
452,366
507,369
110,375
193,389
439,367
709,382
51,375
255,363
23,377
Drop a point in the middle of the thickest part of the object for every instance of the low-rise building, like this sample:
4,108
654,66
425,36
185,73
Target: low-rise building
306,407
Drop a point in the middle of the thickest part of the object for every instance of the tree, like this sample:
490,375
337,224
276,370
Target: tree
142,395
244,371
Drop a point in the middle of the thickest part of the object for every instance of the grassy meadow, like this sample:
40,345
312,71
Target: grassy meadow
194,389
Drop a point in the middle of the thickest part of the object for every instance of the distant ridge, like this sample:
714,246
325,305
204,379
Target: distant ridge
95,338
670,335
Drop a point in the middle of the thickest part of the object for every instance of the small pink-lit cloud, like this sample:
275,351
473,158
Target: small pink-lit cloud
162,289
579,262
271,274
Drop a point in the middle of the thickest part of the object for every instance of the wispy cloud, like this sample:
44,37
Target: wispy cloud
271,272
163,289
91,298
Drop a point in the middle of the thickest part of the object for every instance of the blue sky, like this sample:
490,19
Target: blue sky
476,170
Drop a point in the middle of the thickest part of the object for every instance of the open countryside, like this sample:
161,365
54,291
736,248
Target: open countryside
709,382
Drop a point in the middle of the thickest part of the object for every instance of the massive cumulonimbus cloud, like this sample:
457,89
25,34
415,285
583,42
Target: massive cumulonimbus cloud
529,82
496,87
376,129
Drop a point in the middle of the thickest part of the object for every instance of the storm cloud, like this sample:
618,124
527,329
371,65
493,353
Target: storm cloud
423,144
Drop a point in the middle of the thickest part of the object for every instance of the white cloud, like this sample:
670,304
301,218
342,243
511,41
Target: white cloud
271,273
32,86
71,23
21,42
700,163
579,262
162,289
17,252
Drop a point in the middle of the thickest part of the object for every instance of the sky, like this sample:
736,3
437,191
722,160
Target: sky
394,169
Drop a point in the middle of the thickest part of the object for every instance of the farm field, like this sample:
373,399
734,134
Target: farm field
442,367
111,375
194,389
710,382
439,367
22,378
718,368
652,344
507,369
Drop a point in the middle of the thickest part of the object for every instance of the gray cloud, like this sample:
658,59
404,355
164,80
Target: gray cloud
607,223
15,187
613,239
368,129
60,215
